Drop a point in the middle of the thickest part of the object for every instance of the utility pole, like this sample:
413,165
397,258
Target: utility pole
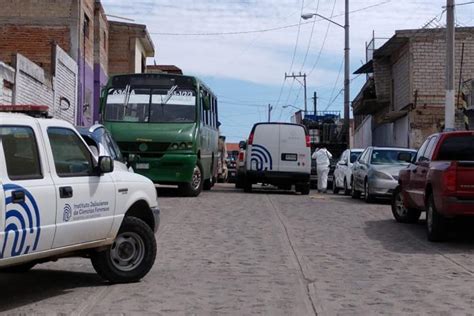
270,108
315,102
347,80
449,105
300,75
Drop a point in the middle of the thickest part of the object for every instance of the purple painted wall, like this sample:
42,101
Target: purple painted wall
100,80
86,103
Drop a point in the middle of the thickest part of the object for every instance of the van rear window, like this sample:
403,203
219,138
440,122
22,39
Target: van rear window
457,147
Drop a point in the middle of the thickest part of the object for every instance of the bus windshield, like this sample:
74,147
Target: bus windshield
139,105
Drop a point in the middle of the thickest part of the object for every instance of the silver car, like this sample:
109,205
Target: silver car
375,173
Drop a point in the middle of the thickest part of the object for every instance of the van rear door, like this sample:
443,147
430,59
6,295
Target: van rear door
294,154
264,148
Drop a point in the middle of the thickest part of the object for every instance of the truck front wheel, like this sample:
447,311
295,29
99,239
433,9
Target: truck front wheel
131,256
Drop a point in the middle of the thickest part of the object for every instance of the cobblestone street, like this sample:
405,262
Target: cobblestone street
272,253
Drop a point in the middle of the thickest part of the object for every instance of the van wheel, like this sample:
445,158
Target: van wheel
247,187
401,213
354,193
208,184
20,268
194,187
304,189
435,222
131,256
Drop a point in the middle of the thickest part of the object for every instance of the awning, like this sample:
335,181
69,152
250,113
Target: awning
367,68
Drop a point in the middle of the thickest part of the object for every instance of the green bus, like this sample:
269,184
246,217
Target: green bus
166,126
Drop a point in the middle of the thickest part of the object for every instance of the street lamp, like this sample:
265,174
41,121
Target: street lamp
292,106
347,81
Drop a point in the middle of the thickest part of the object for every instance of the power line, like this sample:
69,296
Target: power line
263,30
335,85
310,40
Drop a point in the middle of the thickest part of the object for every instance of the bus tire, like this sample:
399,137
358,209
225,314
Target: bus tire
193,188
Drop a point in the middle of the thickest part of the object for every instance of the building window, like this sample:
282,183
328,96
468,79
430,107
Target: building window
87,23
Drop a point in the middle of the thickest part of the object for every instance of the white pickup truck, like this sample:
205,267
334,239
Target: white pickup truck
57,200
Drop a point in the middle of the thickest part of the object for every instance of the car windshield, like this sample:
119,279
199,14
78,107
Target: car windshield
151,106
388,157
355,155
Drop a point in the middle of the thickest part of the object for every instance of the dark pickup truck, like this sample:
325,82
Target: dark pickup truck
439,181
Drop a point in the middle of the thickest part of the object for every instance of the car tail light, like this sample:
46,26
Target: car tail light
450,178
250,142
308,141
241,156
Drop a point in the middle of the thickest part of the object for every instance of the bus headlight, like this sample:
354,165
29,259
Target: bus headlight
190,145
174,146
182,146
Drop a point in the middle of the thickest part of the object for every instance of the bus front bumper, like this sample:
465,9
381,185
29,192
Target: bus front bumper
168,169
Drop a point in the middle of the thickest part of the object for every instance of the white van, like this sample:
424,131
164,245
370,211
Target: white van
278,154
58,200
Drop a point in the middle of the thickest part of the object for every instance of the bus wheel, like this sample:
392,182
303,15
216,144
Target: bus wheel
194,187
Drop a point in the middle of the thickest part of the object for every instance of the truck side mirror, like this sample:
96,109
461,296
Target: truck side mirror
106,164
243,145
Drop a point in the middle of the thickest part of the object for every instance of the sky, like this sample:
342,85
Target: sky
243,48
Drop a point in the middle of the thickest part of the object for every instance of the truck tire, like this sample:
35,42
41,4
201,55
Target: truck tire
193,188
304,188
20,268
435,222
354,193
208,184
401,213
335,189
239,182
131,256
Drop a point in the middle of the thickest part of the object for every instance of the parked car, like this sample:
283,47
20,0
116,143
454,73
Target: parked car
440,181
375,173
231,169
240,165
343,170
278,154
59,200
101,143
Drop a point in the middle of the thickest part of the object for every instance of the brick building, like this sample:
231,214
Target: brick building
402,101
33,28
130,45
170,69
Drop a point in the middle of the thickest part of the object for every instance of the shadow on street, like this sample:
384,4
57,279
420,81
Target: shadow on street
19,289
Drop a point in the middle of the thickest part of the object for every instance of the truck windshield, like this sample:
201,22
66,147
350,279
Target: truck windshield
388,157
151,106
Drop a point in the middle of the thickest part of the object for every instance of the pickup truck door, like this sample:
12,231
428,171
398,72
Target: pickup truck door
27,197
419,173
85,201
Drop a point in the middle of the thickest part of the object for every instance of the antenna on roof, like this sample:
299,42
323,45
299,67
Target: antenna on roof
120,17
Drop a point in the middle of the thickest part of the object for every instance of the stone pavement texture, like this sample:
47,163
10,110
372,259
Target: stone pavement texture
270,253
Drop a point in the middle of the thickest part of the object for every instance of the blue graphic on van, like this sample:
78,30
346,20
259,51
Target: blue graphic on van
261,157
22,223
67,213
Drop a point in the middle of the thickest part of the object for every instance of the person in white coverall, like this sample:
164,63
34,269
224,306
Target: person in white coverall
322,156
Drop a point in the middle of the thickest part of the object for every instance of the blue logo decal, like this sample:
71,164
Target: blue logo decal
67,212
261,157
22,223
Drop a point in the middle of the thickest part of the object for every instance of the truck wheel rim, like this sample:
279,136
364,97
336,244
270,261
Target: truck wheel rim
196,182
399,206
127,251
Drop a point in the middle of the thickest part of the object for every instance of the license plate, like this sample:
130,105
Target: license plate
232,174
289,157
142,166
